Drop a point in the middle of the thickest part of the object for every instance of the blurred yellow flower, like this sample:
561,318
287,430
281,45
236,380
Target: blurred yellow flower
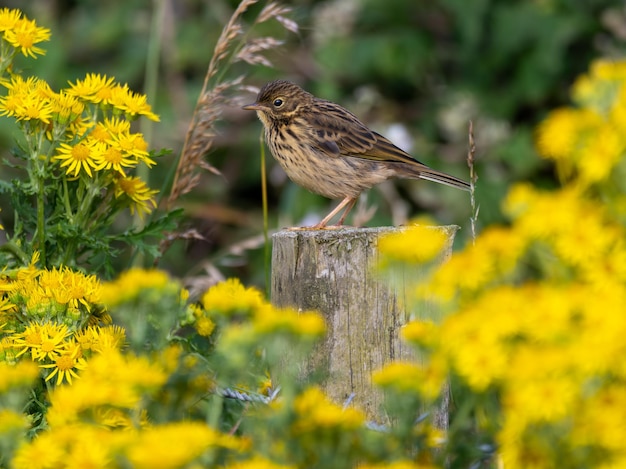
258,463
9,17
138,192
175,444
231,297
111,380
20,374
130,283
269,319
403,377
413,244
317,413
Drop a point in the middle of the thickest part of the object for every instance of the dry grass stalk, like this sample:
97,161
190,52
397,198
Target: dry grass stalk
471,160
232,46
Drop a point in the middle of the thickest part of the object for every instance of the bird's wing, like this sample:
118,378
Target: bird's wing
338,133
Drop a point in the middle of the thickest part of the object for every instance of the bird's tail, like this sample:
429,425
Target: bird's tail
443,178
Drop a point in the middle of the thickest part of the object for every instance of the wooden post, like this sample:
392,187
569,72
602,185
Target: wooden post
334,272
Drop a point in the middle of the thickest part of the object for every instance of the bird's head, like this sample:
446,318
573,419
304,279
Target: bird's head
279,100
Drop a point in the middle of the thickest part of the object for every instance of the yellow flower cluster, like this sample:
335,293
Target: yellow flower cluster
55,318
317,413
101,419
589,140
132,282
18,33
417,243
87,125
232,300
536,309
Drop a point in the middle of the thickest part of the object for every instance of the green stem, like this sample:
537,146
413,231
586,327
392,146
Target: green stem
17,251
267,252
41,222
36,171
66,201
150,90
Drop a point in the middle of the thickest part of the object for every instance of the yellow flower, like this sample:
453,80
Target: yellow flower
414,244
258,463
541,400
424,333
316,412
602,151
269,319
24,35
27,99
175,444
53,342
12,422
230,297
404,377
204,326
398,465
63,365
559,134
100,339
93,88
43,452
116,126
138,192
21,374
131,144
132,104
132,282
9,18
65,108
28,340
111,158
111,380
82,156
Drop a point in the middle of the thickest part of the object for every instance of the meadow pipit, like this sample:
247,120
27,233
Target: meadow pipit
327,150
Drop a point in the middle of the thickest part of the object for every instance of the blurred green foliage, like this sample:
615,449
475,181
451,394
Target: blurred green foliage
429,65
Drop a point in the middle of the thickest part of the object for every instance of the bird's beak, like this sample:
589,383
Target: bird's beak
253,107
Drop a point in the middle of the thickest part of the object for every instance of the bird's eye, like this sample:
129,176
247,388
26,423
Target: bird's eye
278,102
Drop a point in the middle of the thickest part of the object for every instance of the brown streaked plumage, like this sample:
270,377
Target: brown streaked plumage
328,150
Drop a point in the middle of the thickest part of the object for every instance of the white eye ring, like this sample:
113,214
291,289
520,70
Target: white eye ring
278,102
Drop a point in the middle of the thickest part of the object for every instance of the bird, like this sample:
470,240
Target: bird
326,149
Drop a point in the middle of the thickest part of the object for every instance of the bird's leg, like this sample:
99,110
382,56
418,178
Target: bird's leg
348,201
347,210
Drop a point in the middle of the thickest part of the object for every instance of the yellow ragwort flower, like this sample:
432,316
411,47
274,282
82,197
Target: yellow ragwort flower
231,296
130,283
131,104
21,374
175,444
138,192
94,88
27,99
64,365
9,18
258,463
414,244
316,412
80,157
24,34
112,159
